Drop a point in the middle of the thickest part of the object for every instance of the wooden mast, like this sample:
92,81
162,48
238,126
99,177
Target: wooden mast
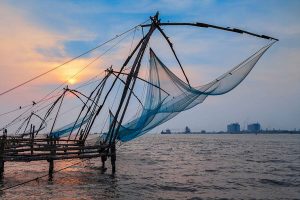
127,92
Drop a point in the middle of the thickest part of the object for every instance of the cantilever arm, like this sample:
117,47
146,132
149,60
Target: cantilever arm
204,25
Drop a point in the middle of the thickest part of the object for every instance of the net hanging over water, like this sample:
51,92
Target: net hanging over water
167,95
63,131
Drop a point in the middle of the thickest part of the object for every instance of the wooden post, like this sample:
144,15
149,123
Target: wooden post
81,142
113,157
2,147
103,151
32,139
52,154
51,166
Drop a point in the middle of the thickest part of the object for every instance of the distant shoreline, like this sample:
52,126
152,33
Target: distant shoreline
241,132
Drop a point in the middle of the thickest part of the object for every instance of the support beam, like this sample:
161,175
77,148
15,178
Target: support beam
50,160
51,167
113,157
103,153
2,146
32,139
204,25
130,80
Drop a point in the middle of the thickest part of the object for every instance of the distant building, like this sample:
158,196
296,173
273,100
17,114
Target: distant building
233,128
187,130
254,128
168,131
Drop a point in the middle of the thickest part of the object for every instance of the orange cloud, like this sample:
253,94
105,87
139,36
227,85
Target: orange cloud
21,40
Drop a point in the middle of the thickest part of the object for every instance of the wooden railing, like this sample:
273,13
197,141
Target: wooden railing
18,149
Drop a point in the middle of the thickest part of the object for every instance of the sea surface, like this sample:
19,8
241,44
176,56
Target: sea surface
154,166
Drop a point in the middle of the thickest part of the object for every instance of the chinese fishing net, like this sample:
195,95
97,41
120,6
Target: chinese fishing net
168,95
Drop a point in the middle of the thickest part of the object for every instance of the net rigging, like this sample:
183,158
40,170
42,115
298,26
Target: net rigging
166,95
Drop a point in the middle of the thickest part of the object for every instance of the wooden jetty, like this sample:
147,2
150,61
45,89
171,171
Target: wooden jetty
19,149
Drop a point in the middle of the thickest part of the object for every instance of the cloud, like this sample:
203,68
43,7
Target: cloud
34,39
28,49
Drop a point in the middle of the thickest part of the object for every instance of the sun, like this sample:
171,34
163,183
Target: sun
72,81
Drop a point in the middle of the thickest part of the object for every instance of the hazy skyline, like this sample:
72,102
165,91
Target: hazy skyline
36,36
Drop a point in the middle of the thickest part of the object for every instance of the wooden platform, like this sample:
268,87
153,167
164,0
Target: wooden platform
17,149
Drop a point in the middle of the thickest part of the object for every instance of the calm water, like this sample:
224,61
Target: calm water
174,167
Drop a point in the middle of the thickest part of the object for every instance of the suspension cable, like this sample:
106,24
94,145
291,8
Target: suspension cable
70,78
68,61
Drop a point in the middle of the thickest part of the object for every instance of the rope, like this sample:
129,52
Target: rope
132,41
67,80
89,82
93,49
14,110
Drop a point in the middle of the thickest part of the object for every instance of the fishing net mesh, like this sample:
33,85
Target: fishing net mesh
168,95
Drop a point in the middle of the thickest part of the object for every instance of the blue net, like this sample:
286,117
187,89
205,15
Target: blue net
63,131
168,95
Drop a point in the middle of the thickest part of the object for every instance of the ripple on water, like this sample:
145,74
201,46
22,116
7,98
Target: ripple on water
281,183
174,167
177,188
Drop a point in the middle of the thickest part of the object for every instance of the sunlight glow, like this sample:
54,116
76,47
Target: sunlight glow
72,81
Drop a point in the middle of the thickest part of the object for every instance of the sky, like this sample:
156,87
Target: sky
39,35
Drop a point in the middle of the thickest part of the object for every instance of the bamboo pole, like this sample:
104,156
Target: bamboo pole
50,159
2,146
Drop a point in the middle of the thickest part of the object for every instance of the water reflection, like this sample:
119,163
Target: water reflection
172,167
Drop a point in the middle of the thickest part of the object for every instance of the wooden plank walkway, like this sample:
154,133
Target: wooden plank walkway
17,149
